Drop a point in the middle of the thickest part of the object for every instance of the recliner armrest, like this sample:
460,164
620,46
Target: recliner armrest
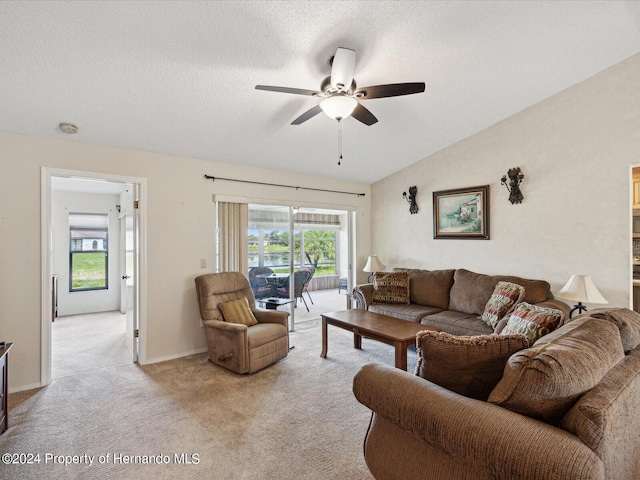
220,325
363,295
502,443
271,316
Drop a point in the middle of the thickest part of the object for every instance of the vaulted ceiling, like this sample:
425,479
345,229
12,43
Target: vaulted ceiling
179,77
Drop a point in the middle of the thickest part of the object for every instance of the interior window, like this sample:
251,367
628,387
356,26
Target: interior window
88,251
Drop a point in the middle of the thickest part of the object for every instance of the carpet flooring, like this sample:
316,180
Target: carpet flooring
190,419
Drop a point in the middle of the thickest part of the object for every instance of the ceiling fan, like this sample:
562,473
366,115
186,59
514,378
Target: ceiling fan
340,95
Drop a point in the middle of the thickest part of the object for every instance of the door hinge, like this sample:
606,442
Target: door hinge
136,204
136,333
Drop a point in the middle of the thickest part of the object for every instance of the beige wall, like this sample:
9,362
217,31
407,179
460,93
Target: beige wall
180,231
575,149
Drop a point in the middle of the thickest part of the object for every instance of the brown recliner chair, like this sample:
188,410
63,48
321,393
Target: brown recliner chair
233,345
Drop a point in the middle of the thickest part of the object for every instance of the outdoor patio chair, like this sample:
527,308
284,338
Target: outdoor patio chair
300,277
260,286
305,288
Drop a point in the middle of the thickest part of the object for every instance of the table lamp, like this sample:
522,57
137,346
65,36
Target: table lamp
373,265
580,288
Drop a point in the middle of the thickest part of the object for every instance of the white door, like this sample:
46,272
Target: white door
130,276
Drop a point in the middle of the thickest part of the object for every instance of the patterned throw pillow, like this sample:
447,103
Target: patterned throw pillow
391,287
504,299
237,311
470,366
532,321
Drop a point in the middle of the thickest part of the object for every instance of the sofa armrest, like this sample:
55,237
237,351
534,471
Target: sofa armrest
363,295
271,316
558,305
502,443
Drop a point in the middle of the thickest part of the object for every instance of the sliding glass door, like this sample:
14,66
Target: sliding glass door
283,240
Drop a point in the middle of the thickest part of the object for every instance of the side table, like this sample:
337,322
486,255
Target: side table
4,386
273,303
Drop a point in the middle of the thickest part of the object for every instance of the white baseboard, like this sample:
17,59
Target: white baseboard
173,357
22,388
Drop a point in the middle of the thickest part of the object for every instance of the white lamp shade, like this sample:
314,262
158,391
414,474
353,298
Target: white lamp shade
338,106
373,264
580,288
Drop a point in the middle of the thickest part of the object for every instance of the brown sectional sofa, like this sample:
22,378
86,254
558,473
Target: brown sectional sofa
566,408
452,301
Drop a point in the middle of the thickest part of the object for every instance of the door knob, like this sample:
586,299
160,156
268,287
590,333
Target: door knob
124,277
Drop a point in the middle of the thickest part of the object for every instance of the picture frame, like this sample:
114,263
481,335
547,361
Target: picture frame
461,213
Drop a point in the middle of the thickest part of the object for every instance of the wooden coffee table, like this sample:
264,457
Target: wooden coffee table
363,323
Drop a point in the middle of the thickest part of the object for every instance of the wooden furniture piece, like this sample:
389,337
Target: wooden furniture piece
363,323
4,386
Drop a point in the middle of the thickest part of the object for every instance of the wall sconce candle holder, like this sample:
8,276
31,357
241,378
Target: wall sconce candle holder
513,185
411,199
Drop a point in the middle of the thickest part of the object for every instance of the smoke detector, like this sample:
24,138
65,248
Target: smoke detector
68,128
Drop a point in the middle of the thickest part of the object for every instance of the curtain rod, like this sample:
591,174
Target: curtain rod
213,179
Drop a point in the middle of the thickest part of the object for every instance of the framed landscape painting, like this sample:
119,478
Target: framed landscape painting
461,213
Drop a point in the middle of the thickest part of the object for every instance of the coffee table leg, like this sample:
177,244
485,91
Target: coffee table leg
401,355
323,354
357,340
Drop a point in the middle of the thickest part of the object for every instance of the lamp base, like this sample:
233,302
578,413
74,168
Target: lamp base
580,307
370,278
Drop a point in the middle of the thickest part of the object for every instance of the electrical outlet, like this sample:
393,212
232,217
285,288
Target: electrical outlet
203,263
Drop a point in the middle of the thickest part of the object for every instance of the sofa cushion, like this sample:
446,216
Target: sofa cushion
471,291
545,380
411,312
391,287
237,311
532,321
431,287
627,321
470,366
457,323
503,300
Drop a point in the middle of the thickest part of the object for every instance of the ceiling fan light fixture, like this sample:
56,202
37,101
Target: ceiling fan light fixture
338,106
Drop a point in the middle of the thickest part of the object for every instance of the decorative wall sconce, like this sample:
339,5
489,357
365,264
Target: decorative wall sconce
513,186
411,199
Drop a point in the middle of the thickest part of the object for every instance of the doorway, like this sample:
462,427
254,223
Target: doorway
95,267
284,241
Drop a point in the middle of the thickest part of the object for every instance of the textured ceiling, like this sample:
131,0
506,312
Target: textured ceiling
178,77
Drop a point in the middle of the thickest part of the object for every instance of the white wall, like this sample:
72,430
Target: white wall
180,231
575,149
74,303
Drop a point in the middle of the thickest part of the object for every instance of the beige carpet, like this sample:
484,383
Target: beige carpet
297,419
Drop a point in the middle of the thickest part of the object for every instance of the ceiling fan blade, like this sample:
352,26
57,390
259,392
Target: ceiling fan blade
295,91
342,68
312,112
390,90
363,115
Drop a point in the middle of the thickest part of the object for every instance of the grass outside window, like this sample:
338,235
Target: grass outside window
88,270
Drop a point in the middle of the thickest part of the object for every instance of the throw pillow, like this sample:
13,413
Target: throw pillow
237,311
391,287
431,287
470,366
532,321
504,299
545,380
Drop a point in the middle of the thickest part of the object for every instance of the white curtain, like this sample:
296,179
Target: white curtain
233,223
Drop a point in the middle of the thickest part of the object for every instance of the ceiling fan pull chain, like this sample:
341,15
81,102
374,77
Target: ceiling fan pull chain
339,141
